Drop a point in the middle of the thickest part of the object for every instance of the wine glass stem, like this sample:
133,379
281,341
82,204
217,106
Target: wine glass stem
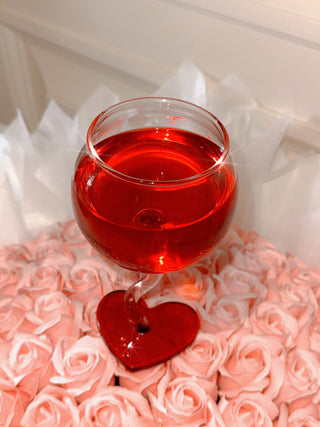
135,307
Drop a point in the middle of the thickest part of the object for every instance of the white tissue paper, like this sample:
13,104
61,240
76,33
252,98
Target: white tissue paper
278,197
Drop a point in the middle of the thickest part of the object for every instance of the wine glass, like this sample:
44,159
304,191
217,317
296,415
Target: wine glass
154,190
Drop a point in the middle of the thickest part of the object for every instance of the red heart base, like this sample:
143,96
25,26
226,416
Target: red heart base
172,326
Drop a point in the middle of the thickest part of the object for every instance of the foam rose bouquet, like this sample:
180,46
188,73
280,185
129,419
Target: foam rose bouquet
255,361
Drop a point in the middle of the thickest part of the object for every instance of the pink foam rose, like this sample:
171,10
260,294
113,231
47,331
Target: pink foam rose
292,294
227,313
52,407
252,240
303,417
54,313
304,406
273,319
203,357
186,401
13,315
242,235
188,284
85,279
47,234
305,276
11,404
234,239
268,253
37,280
214,262
248,410
89,321
317,313
300,274
83,366
113,276
141,381
116,406
231,280
26,361
302,376
255,363
250,261
48,306
15,253
10,274
299,419
300,301
314,337
53,251
71,233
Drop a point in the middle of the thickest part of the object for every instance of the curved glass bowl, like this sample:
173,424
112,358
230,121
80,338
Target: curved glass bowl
155,189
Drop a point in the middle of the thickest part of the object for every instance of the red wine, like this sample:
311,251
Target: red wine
169,213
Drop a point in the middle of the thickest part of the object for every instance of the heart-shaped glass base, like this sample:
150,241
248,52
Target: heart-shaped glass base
172,326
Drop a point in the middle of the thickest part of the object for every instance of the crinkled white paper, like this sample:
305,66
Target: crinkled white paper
278,198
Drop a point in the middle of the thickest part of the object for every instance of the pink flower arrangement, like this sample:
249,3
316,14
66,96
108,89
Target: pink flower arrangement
255,361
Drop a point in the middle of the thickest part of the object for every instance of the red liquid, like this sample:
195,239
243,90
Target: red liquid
152,226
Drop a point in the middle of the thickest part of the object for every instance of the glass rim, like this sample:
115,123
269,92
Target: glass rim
215,121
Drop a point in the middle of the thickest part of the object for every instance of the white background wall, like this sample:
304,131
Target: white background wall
64,49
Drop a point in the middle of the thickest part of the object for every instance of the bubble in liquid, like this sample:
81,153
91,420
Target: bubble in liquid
150,218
